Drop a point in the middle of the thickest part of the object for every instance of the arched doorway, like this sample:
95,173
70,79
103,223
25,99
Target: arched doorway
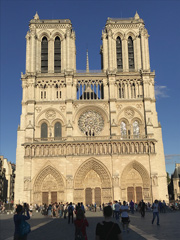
135,183
92,183
48,186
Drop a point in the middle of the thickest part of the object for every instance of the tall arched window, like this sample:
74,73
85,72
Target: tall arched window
136,129
131,53
119,53
123,129
57,130
57,55
44,55
44,131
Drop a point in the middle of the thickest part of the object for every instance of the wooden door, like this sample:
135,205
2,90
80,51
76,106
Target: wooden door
88,196
138,194
98,196
53,197
130,193
45,198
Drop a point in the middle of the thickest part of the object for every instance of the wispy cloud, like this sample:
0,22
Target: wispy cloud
161,91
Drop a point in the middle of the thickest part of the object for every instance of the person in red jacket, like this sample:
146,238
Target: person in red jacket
80,224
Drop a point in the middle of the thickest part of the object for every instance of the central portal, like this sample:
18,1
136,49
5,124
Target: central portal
92,183
93,195
49,197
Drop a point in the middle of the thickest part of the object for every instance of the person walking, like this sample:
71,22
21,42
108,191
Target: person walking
124,216
142,208
22,228
70,212
107,229
117,210
155,208
80,225
132,206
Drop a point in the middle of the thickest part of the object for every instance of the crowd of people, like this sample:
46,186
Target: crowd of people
108,227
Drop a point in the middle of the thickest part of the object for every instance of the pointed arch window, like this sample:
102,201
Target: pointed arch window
57,130
44,131
123,129
44,55
136,129
130,53
119,53
57,55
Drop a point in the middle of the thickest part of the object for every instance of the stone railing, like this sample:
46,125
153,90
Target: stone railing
80,146
87,138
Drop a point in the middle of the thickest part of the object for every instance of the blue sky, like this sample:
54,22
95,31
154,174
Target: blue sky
88,18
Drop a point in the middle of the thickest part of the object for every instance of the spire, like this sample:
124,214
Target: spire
87,62
136,16
36,16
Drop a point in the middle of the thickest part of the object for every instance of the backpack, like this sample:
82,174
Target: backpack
70,210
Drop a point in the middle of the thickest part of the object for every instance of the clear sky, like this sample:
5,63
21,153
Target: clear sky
162,19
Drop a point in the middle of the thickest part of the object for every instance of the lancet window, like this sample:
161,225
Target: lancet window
58,92
123,129
57,55
136,129
44,131
44,55
57,130
121,90
119,53
130,53
90,90
43,92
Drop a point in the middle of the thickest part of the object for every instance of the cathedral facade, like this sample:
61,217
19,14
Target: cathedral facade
89,136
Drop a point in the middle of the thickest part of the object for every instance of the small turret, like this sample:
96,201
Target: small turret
36,16
136,16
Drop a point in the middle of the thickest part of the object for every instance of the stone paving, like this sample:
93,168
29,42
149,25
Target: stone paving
44,228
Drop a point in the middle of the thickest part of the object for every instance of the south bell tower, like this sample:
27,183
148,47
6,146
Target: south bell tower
88,136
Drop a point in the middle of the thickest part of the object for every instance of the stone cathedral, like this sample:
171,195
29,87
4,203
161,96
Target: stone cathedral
89,136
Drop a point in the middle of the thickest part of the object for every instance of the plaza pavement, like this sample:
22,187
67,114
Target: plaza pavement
44,228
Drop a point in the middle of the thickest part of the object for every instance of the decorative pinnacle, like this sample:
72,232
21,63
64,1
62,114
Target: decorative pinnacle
87,62
36,16
136,16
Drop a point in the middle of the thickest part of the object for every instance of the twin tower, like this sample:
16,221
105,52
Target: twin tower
89,136
51,46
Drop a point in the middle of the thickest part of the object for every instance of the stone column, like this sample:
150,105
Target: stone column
147,52
105,52
73,37
138,53
68,49
93,195
110,49
38,55
125,55
50,56
27,52
33,51
143,51
63,54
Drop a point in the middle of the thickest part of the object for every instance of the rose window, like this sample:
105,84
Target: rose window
91,123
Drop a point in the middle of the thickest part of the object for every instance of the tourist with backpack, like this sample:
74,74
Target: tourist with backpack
80,225
70,212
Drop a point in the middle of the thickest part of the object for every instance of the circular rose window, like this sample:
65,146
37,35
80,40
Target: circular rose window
91,123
